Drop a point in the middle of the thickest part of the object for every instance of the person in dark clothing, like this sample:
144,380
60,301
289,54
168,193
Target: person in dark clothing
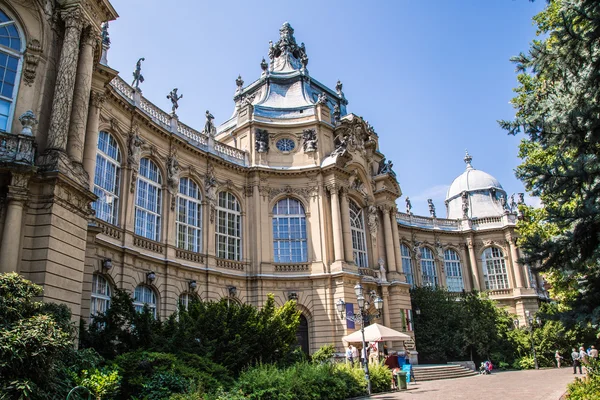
392,363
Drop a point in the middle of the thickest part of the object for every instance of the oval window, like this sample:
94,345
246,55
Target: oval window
285,145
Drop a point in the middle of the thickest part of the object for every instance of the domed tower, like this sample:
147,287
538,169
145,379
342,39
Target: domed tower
475,194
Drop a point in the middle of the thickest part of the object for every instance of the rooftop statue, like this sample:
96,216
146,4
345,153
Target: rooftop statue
239,82
386,167
209,127
431,208
174,100
322,99
137,74
408,206
336,114
104,34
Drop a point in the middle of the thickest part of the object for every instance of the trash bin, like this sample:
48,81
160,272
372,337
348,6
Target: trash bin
401,380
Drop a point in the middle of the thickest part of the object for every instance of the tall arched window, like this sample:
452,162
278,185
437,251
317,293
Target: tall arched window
494,269
189,216
186,298
107,178
144,295
11,55
100,300
407,266
359,242
148,200
428,269
229,227
454,279
289,232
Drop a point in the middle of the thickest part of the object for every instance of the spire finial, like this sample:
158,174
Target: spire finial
468,159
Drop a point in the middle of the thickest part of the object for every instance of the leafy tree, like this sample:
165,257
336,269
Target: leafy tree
558,109
33,338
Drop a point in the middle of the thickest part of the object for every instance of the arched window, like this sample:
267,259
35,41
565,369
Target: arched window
289,232
186,298
107,178
407,266
494,269
100,300
359,242
148,200
454,279
144,295
428,269
189,216
302,334
229,227
11,56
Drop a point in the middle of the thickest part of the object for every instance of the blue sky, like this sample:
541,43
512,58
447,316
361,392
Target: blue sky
432,77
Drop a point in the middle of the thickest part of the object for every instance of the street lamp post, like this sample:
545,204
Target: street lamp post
529,322
362,317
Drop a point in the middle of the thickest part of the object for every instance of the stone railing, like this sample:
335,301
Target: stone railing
368,272
196,137
304,267
148,244
230,153
172,124
109,230
123,88
189,255
17,149
500,292
455,225
230,264
158,116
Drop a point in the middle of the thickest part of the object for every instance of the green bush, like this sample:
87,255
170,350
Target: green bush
587,388
381,378
324,354
102,384
353,378
525,362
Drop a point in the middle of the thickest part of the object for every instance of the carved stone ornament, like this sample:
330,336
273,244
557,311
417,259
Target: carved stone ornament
353,134
210,183
465,204
261,140
134,148
322,99
285,54
173,171
32,59
97,100
28,121
309,136
304,192
337,114
373,221
382,271
357,184
386,167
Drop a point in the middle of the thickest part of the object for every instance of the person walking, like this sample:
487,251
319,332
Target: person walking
349,359
594,352
576,361
354,355
558,357
583,358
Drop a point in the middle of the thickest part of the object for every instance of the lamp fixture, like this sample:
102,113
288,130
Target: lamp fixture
151,276
107,263
193,284
232,291
293,296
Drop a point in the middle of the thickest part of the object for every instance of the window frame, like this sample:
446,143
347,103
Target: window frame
140,210
495,261
358,234
97,297
222,231
428,264
116,181
19,55
190,229
407,264
139,304
453,264
281,220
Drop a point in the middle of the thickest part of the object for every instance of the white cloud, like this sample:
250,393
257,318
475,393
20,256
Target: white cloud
533,201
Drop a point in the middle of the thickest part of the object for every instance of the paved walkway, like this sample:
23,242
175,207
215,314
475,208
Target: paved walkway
544,384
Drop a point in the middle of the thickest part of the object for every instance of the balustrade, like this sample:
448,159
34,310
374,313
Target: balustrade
304,267
17,149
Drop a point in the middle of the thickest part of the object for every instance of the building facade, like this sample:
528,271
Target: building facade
101,189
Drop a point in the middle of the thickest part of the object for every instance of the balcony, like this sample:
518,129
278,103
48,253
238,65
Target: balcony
17,149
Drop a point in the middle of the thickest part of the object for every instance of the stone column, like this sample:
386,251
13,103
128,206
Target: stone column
516,267
346,230
396,238
477,282
338,245
91,136
389,240
11,237
467,275
81,97
386,312
65,81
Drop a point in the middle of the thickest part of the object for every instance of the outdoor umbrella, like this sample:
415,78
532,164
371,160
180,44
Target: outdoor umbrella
376,333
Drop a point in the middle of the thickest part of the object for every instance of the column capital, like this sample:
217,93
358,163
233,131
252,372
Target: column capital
17,193
385,208
90,38
97,99
72,17
333,188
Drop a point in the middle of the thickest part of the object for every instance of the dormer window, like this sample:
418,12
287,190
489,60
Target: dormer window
285,145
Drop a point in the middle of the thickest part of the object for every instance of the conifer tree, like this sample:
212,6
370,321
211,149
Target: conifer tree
558,110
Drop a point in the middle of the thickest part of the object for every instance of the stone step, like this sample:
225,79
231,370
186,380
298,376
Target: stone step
438,372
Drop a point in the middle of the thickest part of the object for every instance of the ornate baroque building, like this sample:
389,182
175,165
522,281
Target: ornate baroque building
101,189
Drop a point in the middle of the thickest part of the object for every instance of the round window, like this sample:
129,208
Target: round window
285,145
